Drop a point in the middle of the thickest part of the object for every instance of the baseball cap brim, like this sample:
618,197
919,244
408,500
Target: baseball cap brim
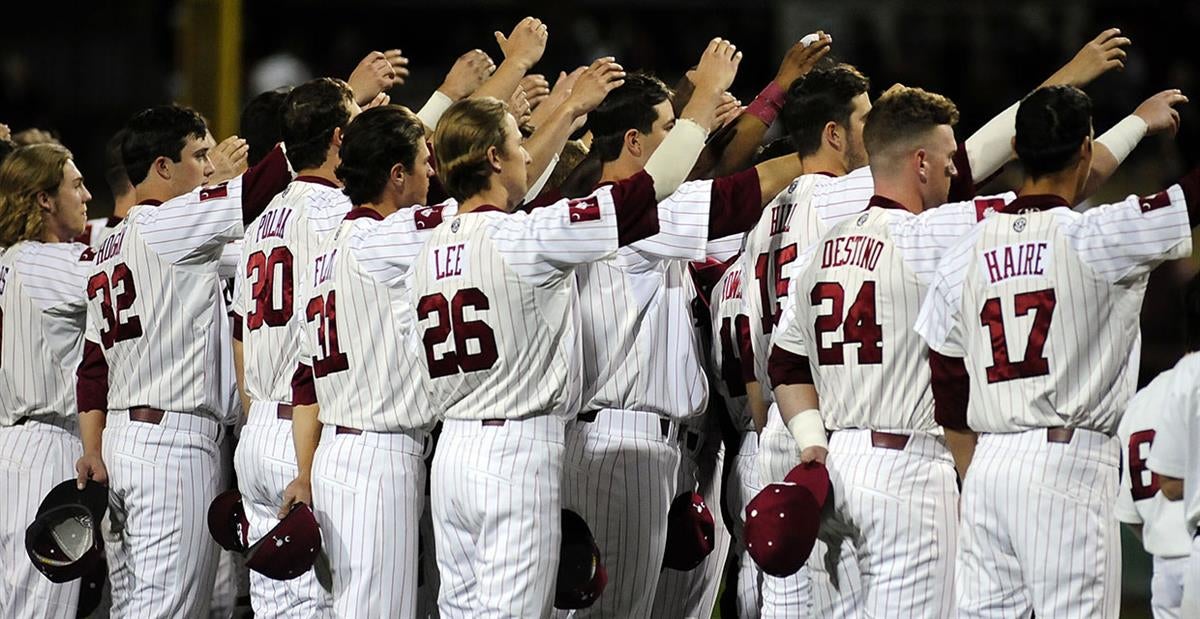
289,549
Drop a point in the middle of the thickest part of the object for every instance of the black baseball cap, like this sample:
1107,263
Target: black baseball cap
64,542
581,574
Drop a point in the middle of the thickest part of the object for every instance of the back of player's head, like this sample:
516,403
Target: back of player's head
160,131
902,118
6,148
461,142
374,142
310,114
629,106
261,124
1052,124
25,173
114,166
822,96
1191,312
775,148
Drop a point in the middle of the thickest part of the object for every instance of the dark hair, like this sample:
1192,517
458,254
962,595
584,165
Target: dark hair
1191,312
1052,123
160,131
261,124
461,141
902,114
629,106
310,114
814,100
373,142
114,167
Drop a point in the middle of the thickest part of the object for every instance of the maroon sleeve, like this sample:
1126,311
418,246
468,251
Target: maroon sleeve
745,350
787,368
261,182
1191,192
736,204
951,390
303,390
91,388
962,186
238,326
636,207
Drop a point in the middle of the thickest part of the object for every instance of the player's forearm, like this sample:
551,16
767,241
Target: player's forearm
739,151
1110,150
776,174
962,447
793,399
799,408
757,405
503,83
549,139
306,435
989,148
91,431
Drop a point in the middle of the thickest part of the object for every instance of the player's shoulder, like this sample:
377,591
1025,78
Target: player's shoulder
1188,368
1145,406
53,256
980,207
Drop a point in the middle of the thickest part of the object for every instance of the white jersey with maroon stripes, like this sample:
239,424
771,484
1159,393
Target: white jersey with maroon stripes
792,222
1164,533
43,308
1176,449
496,300
154,301
731,344
855,297
1043,303
357,320
277,249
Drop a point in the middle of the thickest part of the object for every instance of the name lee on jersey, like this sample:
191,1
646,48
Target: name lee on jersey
448,261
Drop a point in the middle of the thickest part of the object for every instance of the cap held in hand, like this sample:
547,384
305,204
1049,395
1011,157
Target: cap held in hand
287,551
64,541
782,521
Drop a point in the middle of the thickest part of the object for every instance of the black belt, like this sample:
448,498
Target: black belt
145,414
664,425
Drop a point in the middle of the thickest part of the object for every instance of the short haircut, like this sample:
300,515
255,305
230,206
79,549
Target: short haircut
26,172
461,142
822,96
160,131
629,106
374,141
310,114
902,116
1052,123
114,167
261,124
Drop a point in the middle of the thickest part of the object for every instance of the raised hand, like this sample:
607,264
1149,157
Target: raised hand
518,106
536,89
729,109
717,67
229,159
377,72
1097,57
593,84
468,72
526,43
801,59
1159,111
380,100
558,94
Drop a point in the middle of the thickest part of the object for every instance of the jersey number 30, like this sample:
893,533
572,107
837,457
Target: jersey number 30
451,322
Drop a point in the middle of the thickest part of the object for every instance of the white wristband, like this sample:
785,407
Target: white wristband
433,109
670,164
1123,137
540,183
991,147
808,429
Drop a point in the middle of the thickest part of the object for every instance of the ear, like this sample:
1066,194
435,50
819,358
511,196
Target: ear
337,137
44,201
396,175
162,167
921,159
493,159
832,135
633,142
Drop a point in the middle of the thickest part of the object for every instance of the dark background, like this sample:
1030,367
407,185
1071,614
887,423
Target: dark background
81,69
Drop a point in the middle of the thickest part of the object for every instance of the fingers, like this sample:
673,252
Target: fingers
1107,36
288,501
81,471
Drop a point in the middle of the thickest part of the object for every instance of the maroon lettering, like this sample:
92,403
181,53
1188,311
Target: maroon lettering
451,321
1003,368
1143,483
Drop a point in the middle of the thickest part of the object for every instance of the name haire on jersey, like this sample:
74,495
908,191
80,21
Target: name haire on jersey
1019,260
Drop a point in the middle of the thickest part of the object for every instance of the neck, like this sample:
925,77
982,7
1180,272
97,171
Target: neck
51,235
152,191
123,203
324,171
824,161
620,169
1062,184
494,195
904,193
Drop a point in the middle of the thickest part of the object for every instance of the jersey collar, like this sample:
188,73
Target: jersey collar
316,180
1035,202
485,208
824,173
882,202
362,212
150,202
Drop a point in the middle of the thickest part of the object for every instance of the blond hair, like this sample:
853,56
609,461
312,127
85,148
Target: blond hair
28,171
461,141
902,116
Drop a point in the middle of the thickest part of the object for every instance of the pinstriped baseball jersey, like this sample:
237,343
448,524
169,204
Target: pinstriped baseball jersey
277,248
1043,303
793,221
731,343
856,294
640,350
154,300
495,299
43,308
1176,436
366,376
1140,502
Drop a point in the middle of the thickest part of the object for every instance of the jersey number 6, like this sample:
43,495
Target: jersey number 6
450,321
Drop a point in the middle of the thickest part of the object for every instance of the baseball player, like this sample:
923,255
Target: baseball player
122,192
43,276
150,378
506,373
1045,433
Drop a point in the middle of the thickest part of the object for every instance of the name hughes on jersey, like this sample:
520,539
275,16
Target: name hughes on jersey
856,250
1019,260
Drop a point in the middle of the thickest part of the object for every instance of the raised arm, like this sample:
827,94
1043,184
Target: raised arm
1155,115
465,77
377,73
522,49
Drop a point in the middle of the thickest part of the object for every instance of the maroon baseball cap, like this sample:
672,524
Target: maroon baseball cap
782,521
581,574
64,541
287,551
690,532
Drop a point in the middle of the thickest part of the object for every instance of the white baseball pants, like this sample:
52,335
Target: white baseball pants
789,597
1191,583
1166,587
744,484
